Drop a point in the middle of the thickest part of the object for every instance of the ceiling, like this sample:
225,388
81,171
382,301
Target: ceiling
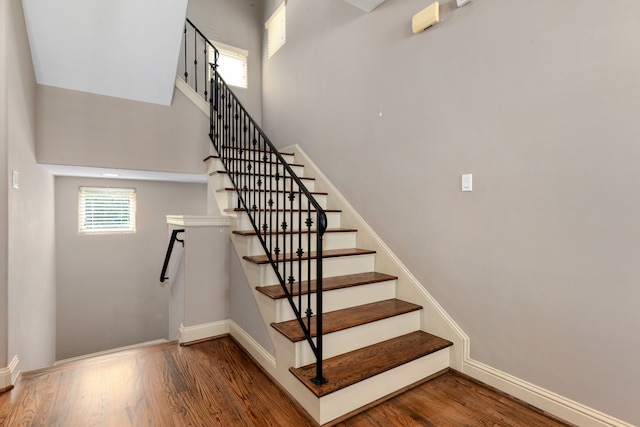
122,48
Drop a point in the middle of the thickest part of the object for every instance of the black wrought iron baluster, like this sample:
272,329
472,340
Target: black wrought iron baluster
300,230
309,225
321,226
291,235
255,204
186,72
195,61
272,202
206,69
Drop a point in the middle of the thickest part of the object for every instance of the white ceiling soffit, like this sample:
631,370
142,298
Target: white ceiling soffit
366,5
136,175
122,48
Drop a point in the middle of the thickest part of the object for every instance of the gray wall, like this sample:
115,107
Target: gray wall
82,129
540,101
30,238
236,23
108,287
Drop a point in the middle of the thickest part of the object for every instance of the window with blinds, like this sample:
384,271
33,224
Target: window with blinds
106,210
232,64
276,30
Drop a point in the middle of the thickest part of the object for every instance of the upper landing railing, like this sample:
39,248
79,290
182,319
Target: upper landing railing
283,213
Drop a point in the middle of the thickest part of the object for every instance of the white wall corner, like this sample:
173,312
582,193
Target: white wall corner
9,374
366,5
203,331
541,398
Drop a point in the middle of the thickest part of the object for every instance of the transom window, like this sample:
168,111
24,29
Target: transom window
276,30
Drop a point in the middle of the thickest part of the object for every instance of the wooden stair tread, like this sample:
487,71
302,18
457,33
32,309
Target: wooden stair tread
346,318
260,175
331,253
273,233
328,284
270,191
350,368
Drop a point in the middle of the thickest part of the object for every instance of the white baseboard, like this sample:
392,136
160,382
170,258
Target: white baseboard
262,356
203,331
111,351
541,398
9,374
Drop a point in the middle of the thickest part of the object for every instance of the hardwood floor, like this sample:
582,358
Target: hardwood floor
214,383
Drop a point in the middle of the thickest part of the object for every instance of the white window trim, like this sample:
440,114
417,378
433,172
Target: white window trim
276,40
115,227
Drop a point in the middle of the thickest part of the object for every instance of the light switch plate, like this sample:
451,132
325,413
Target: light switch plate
467,182
462,2
15,180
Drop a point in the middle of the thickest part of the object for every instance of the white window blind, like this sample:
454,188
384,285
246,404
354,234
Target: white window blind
232,64
106,210
276,30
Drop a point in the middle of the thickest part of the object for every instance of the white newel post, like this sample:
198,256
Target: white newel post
199,277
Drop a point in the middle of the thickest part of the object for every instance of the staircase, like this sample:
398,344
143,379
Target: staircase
373,342
347,320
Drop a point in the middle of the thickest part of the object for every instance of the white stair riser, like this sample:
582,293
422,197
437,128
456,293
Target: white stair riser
222,180
337,266
232,199
358,337
339,298
214,164
275,220
364,392
342,240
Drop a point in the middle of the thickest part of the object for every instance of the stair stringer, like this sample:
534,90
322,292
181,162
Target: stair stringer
434,319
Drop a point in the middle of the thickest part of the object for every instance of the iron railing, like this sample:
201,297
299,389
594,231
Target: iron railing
283,212
167,257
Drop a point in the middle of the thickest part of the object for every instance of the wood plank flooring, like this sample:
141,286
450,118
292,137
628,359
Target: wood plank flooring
215,383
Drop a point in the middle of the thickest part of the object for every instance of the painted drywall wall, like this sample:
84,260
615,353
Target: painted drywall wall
82,129
539,101
4,184
243,308
236,23
108,287
207,275
31,255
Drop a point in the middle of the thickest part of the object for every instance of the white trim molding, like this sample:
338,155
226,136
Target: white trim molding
541,398
191,94
9,374
199,220
262,356
187,334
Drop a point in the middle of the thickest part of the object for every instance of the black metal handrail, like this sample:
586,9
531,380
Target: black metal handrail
167,257
282,210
